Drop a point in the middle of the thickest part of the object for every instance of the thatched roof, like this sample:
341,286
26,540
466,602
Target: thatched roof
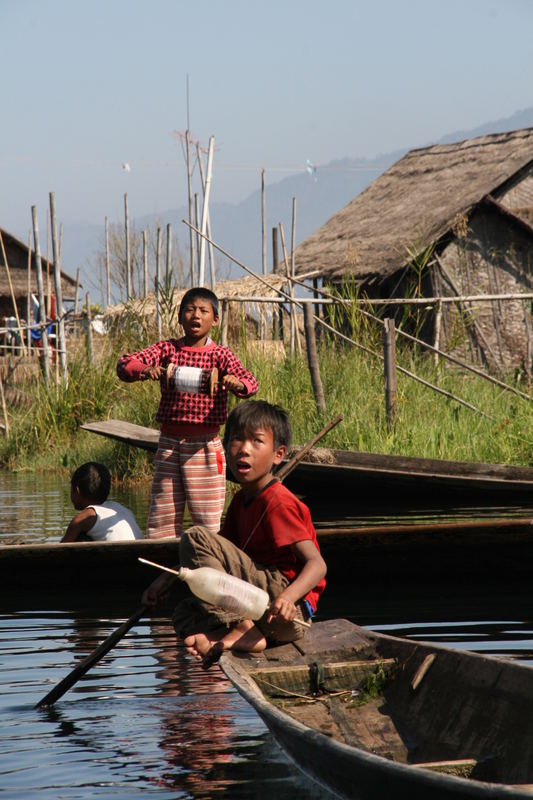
248,287
412,205
17,259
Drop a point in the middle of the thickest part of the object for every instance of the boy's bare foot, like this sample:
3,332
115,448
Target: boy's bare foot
244,636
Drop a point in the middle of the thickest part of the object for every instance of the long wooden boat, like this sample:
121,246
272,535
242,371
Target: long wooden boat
463,550
370,716
370,477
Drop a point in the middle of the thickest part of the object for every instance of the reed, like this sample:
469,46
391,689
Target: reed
45,433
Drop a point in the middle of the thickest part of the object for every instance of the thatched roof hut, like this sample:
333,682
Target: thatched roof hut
468,207
415,203
17,254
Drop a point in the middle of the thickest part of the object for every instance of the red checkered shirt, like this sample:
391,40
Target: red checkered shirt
177,410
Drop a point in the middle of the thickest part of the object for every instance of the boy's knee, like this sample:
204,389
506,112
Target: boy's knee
193,540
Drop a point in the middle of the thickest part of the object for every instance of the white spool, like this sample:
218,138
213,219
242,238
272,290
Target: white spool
192,379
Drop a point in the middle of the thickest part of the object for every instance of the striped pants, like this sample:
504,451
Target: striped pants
191,471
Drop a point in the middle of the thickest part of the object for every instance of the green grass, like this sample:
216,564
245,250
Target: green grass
47,435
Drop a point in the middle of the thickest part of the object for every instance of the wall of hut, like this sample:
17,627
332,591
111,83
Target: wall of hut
490,255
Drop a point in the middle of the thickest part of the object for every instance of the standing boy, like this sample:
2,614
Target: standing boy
189,463
98,519
267,539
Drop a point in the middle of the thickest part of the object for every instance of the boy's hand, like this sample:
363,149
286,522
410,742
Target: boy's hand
282,609
153,593
152,373
232,383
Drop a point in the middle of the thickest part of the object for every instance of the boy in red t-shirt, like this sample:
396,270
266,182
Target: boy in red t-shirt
189,463
267,539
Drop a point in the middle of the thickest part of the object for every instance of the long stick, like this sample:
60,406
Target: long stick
85,665
295,460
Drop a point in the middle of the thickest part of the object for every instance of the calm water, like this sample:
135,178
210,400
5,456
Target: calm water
147,720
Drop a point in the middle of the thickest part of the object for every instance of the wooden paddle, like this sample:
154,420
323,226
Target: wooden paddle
85,665
93,658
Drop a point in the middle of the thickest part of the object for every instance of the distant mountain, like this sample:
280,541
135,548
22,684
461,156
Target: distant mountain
237,228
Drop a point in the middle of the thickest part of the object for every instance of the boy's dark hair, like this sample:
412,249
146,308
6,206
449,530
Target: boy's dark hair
253,414
94,480
202,293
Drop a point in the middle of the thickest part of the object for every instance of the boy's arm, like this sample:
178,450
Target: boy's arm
81,523
142,365
313,570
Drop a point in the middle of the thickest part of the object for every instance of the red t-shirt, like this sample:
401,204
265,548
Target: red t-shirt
185,408
265,528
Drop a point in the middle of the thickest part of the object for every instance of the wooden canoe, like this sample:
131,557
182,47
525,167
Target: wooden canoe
368,477
370,716
466,550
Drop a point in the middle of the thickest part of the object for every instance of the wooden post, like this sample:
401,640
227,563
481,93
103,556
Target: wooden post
13,298
205,210
158,282
168,263
90,349
40,295
198,237
389,354
61,342
107,265
312,358
225,320
77,294
294,319
294,334
145,263
129,287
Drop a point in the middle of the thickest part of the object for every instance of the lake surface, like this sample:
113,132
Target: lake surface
148,720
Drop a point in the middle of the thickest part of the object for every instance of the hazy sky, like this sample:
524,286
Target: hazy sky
88,86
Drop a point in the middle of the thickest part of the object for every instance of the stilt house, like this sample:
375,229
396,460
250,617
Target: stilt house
448,221
18,257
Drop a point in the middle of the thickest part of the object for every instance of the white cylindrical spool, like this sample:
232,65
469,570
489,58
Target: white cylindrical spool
187,379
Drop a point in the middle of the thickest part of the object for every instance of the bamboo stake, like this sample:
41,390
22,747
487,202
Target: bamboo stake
312,359
168,263
145,263
40,294
294,332
12,291
107,264
4,406
77,294
90,349
62,346
389,358
129,287
158,282
28,299
189,191
212,267
207,190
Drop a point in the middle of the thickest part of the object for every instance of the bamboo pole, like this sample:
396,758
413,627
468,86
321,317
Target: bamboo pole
4,406
12,291
107,264
90,348
62,345
275,269
438,322
40,295
224,326
158,282
28,299
129,287
294,333
212,267
77,294
145,264
189,192
168,262
389,360
312,359
207,191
